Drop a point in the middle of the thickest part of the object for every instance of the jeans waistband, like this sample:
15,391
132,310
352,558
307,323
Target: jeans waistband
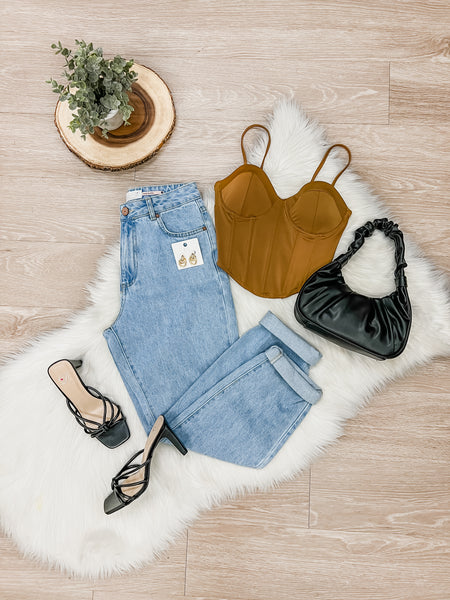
158,198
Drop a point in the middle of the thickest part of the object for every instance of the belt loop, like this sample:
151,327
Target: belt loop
151,210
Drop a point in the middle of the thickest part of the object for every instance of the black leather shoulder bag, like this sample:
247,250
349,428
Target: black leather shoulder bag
376,327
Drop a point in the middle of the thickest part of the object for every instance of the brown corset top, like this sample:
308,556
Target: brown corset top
271,245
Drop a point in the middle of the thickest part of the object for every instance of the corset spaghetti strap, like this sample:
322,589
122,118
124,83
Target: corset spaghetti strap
242,142
322,162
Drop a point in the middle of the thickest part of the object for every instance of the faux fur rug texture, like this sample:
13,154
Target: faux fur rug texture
53,477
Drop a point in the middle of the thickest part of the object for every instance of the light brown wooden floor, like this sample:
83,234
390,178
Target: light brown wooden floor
370,519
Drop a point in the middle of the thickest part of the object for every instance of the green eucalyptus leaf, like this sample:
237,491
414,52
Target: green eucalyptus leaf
101,85
109,101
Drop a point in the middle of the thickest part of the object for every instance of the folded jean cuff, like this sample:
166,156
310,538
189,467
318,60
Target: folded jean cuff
291,339
302,385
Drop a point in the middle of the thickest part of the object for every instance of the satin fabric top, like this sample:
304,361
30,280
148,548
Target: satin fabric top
271,245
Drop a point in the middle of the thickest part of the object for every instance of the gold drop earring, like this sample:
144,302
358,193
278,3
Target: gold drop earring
182,261
193,259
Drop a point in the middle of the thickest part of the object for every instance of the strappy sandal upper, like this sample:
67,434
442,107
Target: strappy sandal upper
99,427
128,469
111,428
124,479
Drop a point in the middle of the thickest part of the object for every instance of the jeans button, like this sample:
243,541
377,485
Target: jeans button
125,210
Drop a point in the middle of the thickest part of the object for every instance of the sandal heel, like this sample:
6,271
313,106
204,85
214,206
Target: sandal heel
169,435
76,364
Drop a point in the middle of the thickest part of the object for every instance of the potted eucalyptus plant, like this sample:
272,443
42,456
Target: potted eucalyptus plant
96,88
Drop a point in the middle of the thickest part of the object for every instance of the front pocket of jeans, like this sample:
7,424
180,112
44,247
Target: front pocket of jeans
181,221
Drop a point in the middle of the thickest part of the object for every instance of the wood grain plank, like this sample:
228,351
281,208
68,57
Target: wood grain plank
150,590
52,210
19,325
380,29
286,505
247,563
390,469
258,515
236,15
345,91
24,578
47,275
420,92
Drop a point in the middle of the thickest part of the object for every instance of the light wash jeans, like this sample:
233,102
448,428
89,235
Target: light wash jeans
175,340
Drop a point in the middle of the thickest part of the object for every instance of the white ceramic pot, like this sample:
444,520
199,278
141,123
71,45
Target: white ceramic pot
113,120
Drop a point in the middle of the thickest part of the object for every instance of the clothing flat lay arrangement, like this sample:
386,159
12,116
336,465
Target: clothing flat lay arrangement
240,398
229,335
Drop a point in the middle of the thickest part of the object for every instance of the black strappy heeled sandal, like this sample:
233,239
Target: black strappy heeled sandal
99,416
134,477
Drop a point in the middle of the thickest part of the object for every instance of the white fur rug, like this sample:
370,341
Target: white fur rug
53,478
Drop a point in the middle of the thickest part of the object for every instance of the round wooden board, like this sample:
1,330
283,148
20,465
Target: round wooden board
152,122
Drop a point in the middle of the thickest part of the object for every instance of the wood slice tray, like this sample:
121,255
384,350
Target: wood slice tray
151,124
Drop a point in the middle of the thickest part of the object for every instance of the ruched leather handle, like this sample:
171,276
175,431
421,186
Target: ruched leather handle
391,230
